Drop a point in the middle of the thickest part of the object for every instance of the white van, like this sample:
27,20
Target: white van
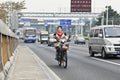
104,40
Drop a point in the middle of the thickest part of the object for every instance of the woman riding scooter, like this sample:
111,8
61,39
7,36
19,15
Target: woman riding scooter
59,35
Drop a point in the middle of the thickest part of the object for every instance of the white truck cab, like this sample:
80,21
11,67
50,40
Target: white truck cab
44,37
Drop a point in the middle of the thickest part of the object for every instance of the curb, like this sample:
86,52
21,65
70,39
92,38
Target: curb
2,76
7,67
51,75
12,61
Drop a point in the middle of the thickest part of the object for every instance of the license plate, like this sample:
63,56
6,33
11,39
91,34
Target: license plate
118,52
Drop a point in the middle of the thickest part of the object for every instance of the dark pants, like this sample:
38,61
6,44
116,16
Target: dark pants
58,49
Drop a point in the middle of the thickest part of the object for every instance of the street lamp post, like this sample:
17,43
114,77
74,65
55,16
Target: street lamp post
90,19
107,15
9,16
112,21
102,20
76,26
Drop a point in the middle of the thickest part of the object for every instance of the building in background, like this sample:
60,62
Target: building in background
80,5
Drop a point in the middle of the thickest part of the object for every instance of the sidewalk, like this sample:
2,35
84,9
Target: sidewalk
28,66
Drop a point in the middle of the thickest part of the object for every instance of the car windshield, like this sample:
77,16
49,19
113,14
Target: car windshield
44,36
80,38
51,37
111,32
30,32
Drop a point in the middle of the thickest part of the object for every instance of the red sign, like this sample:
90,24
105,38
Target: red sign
80,5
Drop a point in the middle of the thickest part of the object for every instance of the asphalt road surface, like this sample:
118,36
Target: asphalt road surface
80,65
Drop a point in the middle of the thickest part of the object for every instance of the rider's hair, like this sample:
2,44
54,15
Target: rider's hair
59,27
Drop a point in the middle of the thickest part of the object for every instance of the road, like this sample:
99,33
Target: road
80,65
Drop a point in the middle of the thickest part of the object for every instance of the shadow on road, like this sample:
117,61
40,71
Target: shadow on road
57,67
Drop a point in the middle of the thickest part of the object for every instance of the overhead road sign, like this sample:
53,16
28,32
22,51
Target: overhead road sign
65,22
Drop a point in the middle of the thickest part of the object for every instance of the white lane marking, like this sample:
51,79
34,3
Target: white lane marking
110,62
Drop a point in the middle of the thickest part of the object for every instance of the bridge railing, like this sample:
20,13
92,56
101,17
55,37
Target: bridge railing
8,44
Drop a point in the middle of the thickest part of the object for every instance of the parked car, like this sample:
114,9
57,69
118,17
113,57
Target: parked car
104,40
79,40
51,40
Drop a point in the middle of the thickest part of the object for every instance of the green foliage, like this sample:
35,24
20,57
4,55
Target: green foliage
7,6
114,17
3,14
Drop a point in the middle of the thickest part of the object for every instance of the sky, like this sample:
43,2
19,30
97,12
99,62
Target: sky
64,5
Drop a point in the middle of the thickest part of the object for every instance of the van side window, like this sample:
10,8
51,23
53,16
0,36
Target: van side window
101,31
91,33
96,33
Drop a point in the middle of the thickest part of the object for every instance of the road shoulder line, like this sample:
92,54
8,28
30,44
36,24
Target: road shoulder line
110,62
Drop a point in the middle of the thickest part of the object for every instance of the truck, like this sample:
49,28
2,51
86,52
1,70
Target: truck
44,37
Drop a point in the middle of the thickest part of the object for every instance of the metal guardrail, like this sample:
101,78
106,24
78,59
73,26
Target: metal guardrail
8,44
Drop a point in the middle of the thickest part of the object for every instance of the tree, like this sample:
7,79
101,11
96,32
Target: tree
3,14
5,7
114,17
9,5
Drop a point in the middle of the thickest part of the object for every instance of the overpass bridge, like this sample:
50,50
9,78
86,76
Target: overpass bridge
60,15
75,17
